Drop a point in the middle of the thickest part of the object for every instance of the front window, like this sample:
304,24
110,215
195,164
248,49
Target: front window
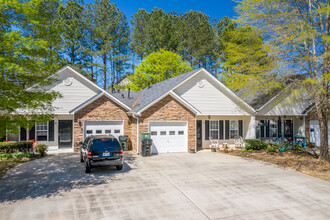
214,129
233,129
273,129
41,130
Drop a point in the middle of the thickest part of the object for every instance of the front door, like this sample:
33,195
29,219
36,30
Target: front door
65,133
288,130
199,135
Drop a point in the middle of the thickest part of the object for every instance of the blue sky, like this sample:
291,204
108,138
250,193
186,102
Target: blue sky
213,8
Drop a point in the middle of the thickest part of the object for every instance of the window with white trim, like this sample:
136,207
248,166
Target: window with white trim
233,129
214,129
41,131
273,129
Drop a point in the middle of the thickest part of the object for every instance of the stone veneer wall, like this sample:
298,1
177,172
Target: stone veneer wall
168,109
101,109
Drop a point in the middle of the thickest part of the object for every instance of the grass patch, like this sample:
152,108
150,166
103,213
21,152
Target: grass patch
299,161
6,165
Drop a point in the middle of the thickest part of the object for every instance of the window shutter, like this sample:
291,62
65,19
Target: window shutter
279,128
262,129
221,129
267,129
32,133
240,128
207,129
227,129
51,131
22,134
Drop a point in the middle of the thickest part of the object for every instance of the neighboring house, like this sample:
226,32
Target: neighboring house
181,114
123,81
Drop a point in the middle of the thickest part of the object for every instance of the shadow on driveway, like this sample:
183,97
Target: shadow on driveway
54,174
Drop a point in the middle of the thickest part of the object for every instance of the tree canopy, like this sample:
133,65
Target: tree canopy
25,60
298,33
157,67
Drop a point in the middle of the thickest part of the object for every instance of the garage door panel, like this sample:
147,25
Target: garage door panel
314,132
168,136
114,128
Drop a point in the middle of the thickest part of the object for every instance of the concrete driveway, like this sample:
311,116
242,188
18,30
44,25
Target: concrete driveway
204,185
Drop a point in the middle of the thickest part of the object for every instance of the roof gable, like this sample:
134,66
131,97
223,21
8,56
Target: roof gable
210,97
76,90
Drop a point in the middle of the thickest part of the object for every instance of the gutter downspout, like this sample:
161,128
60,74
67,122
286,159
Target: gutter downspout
137,131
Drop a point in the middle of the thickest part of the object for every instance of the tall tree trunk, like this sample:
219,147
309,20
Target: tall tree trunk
105,71
321,103
72,54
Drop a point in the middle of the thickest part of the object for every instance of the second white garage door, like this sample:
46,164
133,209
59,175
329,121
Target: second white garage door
115,128
169,137
315,132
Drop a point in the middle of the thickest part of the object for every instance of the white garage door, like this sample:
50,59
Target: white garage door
114,128
315,132
169,137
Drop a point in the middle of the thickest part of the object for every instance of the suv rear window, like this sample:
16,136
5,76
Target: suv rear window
105,143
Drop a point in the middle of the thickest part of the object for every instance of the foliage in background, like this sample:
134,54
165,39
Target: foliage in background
298,33
191,35
255,144
157,67
109,29
25,59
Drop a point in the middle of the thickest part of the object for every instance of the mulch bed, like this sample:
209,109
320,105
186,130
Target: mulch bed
299,161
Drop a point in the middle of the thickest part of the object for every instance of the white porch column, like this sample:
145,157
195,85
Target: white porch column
251,132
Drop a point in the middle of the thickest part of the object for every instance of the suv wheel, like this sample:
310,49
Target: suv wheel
88,168
81,158
119,167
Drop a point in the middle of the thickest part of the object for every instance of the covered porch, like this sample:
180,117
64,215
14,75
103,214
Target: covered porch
272,128
57,134
223,128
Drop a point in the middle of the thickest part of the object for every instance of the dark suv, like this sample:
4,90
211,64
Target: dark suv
101,151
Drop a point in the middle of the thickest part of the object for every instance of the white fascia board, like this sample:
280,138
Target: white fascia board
185,103
154,102
84,104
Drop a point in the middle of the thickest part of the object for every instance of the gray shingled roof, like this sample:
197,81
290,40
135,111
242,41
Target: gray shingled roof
148,95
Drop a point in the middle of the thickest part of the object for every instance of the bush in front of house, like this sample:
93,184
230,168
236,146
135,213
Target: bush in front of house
271,149
255,144
19,155
42,148
14,146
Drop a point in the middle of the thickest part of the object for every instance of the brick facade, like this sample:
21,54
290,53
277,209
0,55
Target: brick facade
101,109
168,109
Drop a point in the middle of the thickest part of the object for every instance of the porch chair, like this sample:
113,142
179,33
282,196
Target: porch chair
238,140
214,143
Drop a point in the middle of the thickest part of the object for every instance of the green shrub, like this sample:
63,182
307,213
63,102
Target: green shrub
243,150
250,150
271,149
255,144
42,148
14,146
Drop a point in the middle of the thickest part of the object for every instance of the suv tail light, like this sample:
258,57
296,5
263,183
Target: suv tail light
89,155
121,153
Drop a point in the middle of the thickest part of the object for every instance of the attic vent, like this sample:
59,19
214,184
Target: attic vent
201,84
67,82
